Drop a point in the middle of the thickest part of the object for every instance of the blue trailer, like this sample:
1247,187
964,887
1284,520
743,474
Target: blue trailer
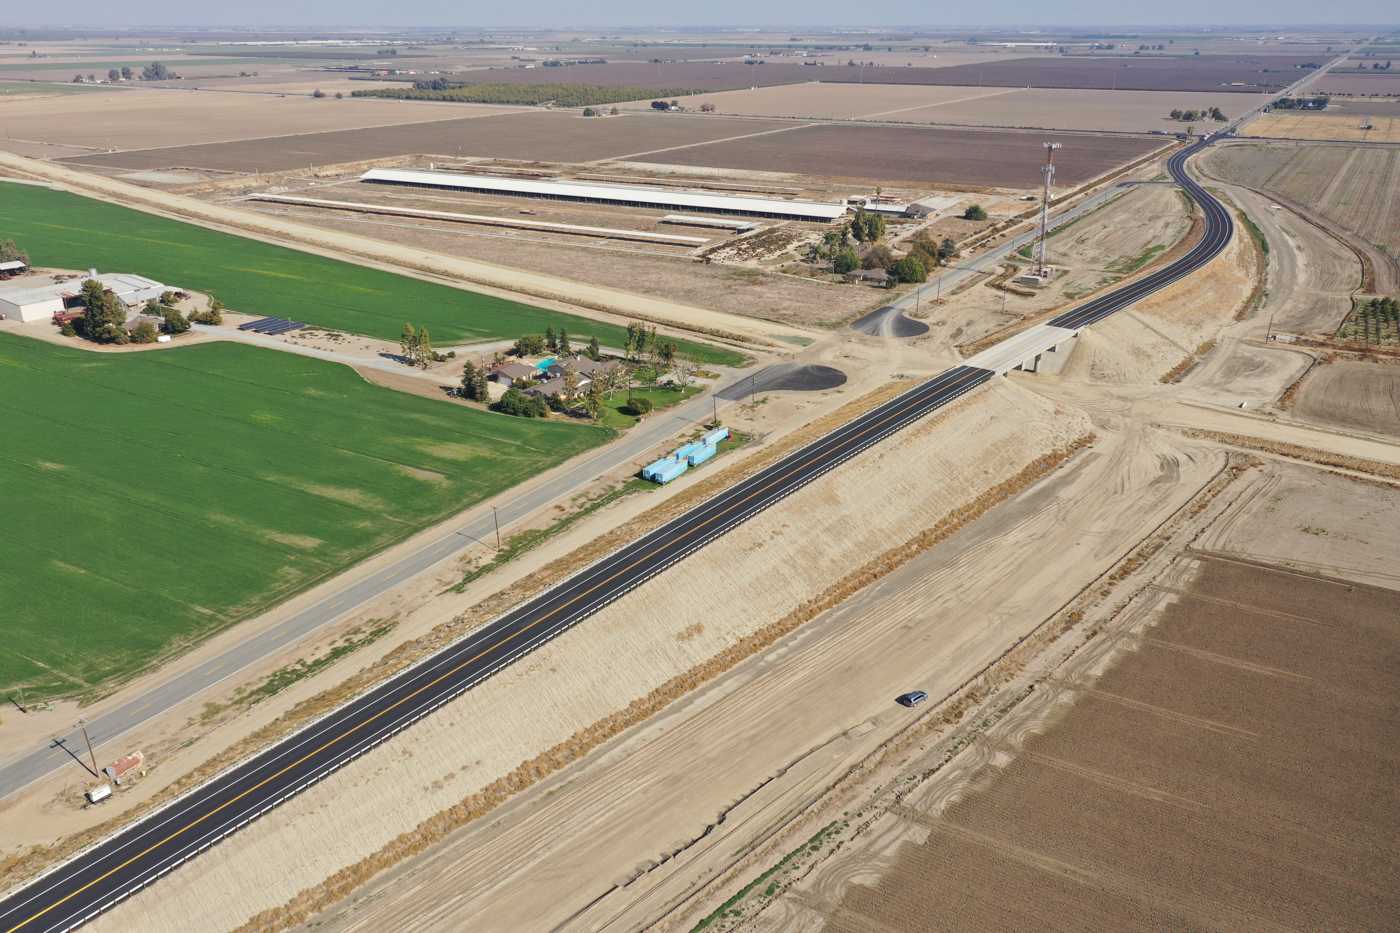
664,476
714,437
701,455
650,471
687,450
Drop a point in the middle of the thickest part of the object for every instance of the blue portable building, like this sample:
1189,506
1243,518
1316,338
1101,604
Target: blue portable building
714,437
700,456
687,450
676,468
651,470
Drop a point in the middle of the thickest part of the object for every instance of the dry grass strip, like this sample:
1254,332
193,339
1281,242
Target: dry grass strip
437,827
1297,452
22,865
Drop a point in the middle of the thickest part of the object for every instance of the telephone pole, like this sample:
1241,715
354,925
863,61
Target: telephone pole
496,515
1049,172
83,722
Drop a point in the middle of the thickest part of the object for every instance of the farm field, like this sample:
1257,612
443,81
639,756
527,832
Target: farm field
1352,395
1122,111
1236,769
535,136
11,89
139,118
261,278
1357,85
926,156
1355,187
1318,126
1114,72
170,494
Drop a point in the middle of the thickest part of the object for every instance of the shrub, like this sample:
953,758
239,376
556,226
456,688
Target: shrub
975,212
517,403
909,269
639,405
145,332
846,260
589,112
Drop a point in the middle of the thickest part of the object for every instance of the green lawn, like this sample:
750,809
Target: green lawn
616,415
153,498
69,231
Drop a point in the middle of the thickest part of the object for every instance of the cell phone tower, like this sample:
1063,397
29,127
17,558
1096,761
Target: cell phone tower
1041,270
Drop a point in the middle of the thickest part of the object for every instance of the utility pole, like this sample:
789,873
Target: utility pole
714,420
496,515
83,722
753,392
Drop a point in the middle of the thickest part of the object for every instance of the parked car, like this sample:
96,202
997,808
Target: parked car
912,699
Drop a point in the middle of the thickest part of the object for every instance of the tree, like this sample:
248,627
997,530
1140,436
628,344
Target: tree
594,352
1190,130
474,383
684,368
975,212
168,299
175,322
1176,114
144,332
550,340
92,79
9,252
874,227
423,353
103,314
517,403
318,93
114,75
155,71
648,376
339,96
846,260
660,105
126,73
589,112
593,401
571,383
407,341
636,337
640,405
707,108
614,111
910,269
530,345
947,249
564,347
879,257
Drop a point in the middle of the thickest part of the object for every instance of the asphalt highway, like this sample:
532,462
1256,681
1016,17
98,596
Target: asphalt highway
111,871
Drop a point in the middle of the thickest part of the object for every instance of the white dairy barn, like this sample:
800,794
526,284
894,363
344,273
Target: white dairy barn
41,303
625,195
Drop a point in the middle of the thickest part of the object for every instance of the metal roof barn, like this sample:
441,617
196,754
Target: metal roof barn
599,193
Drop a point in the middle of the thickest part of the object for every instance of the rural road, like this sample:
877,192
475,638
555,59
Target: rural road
137,857
25,770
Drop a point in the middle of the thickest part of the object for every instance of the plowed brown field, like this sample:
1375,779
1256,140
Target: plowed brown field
916,154
1238,771
543,136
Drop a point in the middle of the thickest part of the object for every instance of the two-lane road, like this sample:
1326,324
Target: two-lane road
106,874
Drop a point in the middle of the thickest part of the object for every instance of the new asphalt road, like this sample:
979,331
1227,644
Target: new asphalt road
131,860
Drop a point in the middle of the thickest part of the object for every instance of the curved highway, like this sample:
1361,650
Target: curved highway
110,872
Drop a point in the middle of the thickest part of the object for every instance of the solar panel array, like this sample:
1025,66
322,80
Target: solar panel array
272,326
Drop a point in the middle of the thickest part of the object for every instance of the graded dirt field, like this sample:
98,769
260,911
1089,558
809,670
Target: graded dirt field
140,118
1236,768
1282,124
1354,186
1352,395
173,493
535,136
1043,108
926,156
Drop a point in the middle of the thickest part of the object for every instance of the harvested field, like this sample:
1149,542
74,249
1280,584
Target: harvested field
1355,187
361,810
1043,108
1358,85
540,135
1352,395
926,156
1123,73
1340,127
1236,770
137,118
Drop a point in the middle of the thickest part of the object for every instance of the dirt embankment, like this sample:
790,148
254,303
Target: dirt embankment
1163,334
689,623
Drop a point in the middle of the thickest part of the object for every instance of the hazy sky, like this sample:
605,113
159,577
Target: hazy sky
566,13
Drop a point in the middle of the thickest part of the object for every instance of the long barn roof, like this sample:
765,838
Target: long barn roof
635,195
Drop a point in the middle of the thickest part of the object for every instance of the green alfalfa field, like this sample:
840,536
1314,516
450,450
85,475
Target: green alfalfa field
68,231
153,498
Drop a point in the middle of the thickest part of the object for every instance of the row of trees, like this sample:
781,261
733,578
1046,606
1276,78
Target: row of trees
104,316
9,252
416,346
590,112
1301,103
1191,116
155,71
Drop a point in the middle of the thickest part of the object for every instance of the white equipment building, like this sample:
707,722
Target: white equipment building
43,302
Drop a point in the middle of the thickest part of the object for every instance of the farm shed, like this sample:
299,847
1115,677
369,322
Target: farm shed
600,193
43,302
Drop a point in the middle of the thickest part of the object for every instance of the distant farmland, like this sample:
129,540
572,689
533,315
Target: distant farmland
914,154
69,231
159,497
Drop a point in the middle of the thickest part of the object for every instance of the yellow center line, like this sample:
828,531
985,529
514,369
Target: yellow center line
135,711
341,603
459,667
213,669
277,636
